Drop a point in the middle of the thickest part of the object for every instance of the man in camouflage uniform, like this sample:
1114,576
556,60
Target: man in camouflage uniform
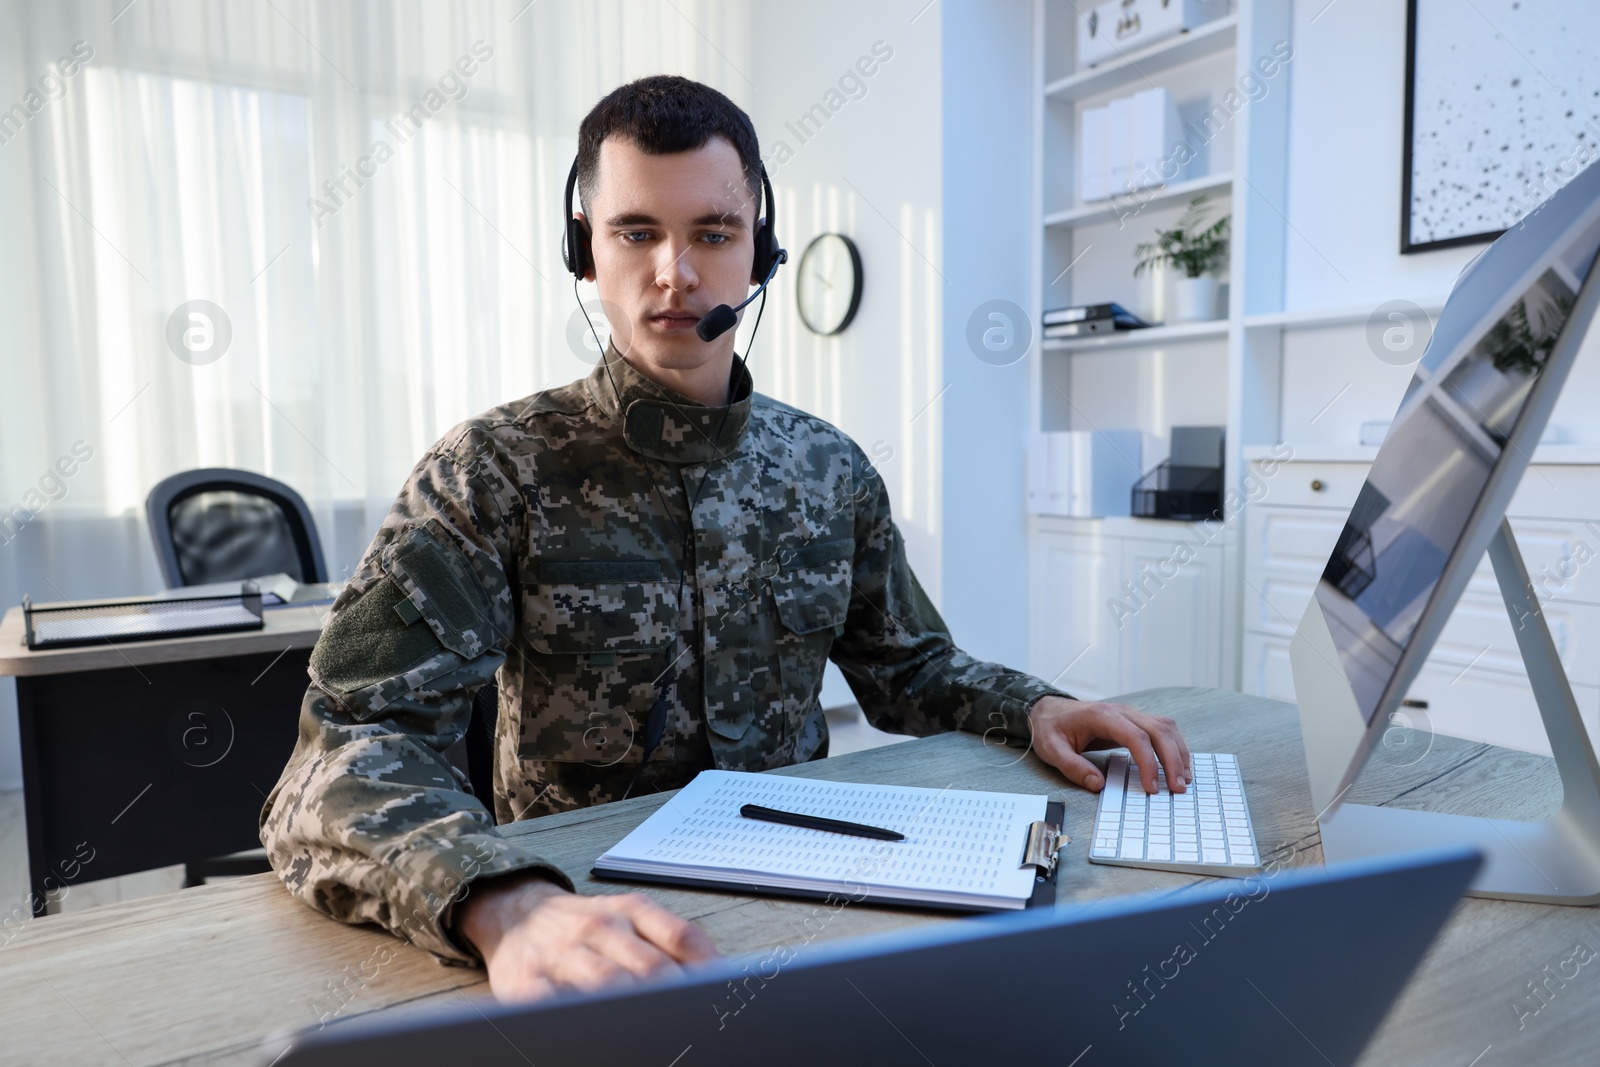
655,544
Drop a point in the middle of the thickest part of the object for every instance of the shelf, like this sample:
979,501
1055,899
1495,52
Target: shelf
1126,527
1160,196
1320,453
1545,454
1154,337
1312,318
1139,66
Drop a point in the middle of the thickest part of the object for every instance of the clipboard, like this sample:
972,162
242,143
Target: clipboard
1043,850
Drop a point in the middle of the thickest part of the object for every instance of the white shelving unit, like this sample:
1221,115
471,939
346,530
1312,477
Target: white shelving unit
1104,604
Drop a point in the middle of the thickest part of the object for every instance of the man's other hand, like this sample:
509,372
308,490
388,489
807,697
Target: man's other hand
536,937
1065,729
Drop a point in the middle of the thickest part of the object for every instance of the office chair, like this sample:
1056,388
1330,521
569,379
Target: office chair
217,525
479,742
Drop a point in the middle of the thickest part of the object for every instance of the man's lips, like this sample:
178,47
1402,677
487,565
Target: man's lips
675,320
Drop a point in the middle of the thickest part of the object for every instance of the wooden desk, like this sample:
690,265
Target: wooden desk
143,754
202,975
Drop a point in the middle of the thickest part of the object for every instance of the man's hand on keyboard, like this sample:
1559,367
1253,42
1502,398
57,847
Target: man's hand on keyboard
1065,729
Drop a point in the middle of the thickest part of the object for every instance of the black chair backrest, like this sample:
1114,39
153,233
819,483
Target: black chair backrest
217,524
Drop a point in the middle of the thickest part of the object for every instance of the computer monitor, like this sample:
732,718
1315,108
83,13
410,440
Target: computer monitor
1433,503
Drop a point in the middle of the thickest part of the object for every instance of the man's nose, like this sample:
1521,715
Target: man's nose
676,272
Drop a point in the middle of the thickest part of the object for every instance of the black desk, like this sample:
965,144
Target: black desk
152,753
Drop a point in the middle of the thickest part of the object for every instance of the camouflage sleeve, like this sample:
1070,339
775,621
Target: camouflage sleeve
369,822
897,654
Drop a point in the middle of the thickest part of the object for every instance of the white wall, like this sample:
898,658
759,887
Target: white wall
1346,121
871,172
990,222
935,189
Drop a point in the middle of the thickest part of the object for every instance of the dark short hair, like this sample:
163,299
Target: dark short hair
663,114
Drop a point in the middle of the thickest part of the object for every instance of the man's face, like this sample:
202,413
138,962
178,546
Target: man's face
672,240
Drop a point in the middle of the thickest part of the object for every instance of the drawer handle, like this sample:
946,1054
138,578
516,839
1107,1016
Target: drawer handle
1316,485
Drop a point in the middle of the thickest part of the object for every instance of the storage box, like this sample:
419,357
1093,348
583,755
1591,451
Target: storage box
1110,30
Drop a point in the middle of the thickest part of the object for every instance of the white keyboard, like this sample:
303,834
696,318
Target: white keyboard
1203,830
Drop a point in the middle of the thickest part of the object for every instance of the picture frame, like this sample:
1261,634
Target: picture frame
1511,70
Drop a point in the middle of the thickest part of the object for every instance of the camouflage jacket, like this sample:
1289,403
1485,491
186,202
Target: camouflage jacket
594,547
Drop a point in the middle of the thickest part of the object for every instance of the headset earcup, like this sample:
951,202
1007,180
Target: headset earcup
580,258
766,250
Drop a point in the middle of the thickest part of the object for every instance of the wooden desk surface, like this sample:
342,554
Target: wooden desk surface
286,627
202,976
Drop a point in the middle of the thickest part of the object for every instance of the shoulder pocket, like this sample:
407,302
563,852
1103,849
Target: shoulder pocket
585,607
812,592
441,589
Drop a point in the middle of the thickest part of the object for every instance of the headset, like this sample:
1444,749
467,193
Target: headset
578,255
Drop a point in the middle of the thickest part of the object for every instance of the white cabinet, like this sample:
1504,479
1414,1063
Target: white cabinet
1121,605
1473,684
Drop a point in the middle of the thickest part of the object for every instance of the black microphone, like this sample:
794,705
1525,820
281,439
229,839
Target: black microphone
722,318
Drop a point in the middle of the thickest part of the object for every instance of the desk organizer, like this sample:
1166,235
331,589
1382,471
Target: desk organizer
76,625
1173,491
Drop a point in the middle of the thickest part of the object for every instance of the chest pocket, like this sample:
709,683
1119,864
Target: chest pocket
812,590
811,594
584,607
600,628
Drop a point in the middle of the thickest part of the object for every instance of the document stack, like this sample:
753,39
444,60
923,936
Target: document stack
1084,474
1089,319
1128,145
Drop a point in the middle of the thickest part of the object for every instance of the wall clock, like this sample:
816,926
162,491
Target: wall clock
829,287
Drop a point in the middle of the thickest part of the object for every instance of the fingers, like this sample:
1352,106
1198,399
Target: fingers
1079,771
583,968
678,938
617,940
1169,748
1122,729
519,987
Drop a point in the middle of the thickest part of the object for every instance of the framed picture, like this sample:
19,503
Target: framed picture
1502,108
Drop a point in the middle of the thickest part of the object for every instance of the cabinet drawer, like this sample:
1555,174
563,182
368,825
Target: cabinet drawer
1291,540
1547,490
1292,484
1274,604
1482,705
1266,668
1559,491
1479,636
1562,557
1491,707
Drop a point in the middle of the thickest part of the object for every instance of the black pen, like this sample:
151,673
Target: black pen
816,822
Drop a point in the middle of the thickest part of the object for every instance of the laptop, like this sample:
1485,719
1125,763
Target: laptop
1292,967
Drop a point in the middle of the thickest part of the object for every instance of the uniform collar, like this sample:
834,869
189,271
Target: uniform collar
663,424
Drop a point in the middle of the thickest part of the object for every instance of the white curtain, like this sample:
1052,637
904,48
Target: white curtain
369,193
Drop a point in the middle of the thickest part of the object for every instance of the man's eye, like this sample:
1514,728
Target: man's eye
634,237
717,238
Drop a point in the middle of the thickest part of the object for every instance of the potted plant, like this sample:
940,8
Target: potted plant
1196,249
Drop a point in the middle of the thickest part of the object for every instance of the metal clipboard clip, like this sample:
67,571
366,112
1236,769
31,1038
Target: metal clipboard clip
1043,846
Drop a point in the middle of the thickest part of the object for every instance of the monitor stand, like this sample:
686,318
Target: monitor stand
1556,861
